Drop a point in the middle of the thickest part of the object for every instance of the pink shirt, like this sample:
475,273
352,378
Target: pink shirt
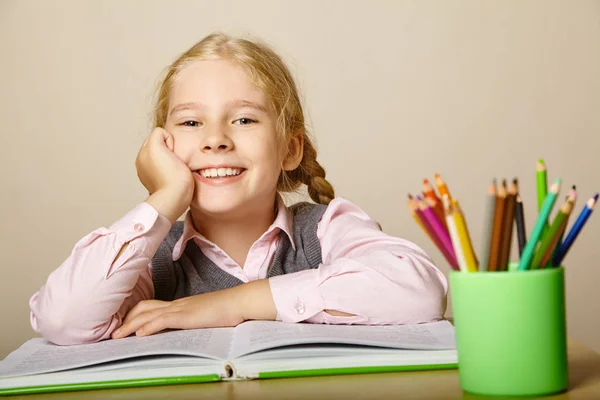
378,278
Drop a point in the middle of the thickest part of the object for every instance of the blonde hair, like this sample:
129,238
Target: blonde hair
268,72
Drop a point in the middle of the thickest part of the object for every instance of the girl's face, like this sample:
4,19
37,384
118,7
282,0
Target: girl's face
224,130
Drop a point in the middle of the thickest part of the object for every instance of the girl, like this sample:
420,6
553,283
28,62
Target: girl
230,135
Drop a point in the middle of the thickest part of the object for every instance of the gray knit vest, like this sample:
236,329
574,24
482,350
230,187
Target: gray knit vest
194,273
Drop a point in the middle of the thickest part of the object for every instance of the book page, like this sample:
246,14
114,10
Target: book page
255,336
38,355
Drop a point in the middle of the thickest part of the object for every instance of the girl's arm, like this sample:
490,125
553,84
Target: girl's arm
366,274
107,273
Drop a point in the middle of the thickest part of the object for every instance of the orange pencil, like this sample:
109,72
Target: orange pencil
441,185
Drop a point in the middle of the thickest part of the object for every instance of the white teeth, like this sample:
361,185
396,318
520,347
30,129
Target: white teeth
220,172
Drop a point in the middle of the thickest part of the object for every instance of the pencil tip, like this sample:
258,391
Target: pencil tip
557,181
541,161
410,196
425,181
596,197
574,187
436,175
515,181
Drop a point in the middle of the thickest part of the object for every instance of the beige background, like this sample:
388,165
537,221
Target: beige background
394,91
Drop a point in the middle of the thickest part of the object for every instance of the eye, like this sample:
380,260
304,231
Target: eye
190,123
244,121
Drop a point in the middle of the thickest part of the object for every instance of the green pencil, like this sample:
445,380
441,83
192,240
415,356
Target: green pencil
550,236
542,185
529,249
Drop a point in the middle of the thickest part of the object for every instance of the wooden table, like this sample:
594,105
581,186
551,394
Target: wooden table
584,378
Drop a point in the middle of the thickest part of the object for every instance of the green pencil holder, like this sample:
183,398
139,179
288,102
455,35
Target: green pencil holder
510,331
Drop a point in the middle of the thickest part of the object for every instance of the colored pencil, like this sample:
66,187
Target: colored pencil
551,235
413,206
435,207
431,233
528,251
441,185
488,226
548,255
542,187
547,260
542,183
497,231
434,200
432,222
573,195
507,226
575,230
520,220
464,237
453,230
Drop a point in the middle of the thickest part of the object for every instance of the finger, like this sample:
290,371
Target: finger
156,133
145,306
170,141
136,323
163,321
158,136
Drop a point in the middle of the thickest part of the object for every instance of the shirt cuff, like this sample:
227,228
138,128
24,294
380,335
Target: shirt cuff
145,223
297,296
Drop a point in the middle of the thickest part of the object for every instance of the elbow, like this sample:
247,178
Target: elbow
422,299
426,300
64,332
65,326
429,302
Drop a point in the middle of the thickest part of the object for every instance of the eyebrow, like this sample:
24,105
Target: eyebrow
232,104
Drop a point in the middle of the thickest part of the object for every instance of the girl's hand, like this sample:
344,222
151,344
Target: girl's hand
209,310
223,308
167,178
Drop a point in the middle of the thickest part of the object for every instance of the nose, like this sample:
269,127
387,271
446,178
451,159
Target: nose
216,140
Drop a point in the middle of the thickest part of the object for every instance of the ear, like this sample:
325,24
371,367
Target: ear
295,150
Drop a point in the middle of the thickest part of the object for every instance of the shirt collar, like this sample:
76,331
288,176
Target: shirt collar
283,221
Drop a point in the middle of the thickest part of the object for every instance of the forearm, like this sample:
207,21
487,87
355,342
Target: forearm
86,296
171,202
255,300
379,288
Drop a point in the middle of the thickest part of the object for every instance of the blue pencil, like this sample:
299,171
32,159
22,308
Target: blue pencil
577,226
529,249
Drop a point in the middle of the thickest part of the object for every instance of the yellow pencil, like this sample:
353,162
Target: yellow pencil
412,207
465,239
454,237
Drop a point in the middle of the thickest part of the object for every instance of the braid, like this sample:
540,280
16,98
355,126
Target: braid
313,175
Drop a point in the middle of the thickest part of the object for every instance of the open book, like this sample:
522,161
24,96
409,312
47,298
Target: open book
252,350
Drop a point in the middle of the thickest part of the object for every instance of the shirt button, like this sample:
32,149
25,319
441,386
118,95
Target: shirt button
138,227
299,308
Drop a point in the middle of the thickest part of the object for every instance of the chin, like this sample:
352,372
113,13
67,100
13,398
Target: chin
216,204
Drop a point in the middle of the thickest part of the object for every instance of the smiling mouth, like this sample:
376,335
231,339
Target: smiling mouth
220,172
